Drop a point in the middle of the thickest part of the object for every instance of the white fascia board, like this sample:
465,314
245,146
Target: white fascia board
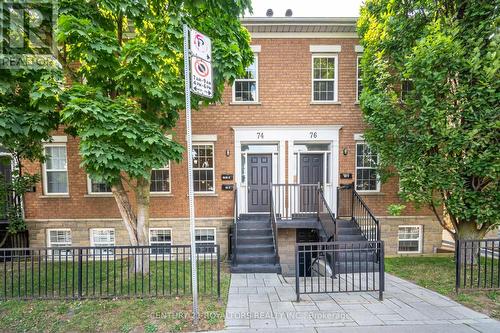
57,139
255,48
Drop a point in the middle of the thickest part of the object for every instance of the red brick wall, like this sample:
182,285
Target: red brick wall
285,99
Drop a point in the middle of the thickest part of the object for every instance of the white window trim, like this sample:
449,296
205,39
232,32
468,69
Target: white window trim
335,81
169,181
50,244
356,171
257,99
214,241
358,79
89,188
171,234
44,171
162,256
420,237
212,168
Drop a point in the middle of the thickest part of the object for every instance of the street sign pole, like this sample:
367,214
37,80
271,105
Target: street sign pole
194,271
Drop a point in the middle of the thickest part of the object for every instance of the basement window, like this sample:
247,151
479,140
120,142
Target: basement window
204,236
410,239
59,238
103,237
160,240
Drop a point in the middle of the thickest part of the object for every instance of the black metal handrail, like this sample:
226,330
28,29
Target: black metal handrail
326,218
274,226
234,242
364,218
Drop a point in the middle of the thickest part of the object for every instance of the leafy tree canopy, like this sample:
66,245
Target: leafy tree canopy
443,136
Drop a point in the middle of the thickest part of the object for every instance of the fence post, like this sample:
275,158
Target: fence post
457,265
80,269
218,271
297,275
381,272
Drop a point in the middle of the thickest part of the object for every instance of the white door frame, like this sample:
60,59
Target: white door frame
282,135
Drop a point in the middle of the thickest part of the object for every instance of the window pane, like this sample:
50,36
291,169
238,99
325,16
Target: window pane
245,91
99,187
57,182
324,68
324,90
408,246
56,158
203,180
160,180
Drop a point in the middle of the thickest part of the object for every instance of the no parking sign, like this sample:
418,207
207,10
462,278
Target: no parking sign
201,66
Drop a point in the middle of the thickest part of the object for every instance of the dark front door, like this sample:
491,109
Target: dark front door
311,172
259,182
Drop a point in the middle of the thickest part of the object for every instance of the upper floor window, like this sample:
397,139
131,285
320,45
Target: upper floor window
98,186
359,84
406,87
203,168
324,78
160,179
246,89
55,168
366,168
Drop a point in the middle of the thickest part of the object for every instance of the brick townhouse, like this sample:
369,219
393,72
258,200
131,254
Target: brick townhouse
294,118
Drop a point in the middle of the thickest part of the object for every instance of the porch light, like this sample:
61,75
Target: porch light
345,151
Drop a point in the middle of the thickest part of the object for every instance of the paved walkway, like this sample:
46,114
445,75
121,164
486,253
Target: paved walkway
267,303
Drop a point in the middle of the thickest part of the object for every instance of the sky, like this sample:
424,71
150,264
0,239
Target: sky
308,8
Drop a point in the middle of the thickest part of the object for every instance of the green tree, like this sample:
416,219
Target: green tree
125,60
442,132
28,102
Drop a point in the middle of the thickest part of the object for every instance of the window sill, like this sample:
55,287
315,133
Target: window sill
356,103
54,196
98,195
325,103
205,195
245,103
160,194
370,193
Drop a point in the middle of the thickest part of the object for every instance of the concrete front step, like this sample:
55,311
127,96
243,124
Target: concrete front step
251,240
243,232
254,217
348,231
252,258
256,249
254,268
254,224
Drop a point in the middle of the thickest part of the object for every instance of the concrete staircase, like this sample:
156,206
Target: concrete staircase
255,251
347,261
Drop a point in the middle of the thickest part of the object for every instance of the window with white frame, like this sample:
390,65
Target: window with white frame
203,168
410,239
55,169
204,236
103,237
160,240
246,88
160,179
57,238
324,78
98,186
359,84
366,168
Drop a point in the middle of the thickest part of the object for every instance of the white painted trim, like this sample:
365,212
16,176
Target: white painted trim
101,229
49,243
255,48
358,49
308,35
204,137
359,137
356,171
57,139
335,80
325,48
214,241
358,79
89,188
206,143
420,238
281,135
161,228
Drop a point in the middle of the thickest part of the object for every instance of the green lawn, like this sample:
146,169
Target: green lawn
438,273
161,314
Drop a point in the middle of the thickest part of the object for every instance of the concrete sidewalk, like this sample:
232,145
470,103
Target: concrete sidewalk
267,303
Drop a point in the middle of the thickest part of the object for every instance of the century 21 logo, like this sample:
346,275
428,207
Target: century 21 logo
27,27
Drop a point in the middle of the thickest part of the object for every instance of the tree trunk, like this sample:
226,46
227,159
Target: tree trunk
468,230
142,194
126,212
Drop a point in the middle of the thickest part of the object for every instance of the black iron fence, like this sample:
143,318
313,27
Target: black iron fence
107,272
477,264
338,267
326,219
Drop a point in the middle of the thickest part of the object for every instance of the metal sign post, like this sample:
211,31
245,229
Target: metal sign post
201,79
194,271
